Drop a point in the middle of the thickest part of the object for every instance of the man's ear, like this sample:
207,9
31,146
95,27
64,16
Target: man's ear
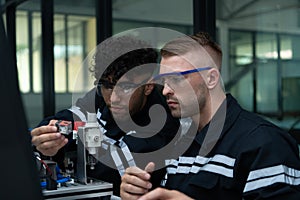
212,78
148,88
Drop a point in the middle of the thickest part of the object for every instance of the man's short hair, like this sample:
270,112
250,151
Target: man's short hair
182,45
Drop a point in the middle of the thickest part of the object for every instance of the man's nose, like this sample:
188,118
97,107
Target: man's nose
115,96
167,90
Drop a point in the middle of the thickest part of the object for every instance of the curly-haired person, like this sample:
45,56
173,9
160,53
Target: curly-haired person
122,98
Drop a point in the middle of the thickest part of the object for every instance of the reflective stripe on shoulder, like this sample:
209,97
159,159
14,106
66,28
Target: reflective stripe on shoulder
271,175
76,110
219,164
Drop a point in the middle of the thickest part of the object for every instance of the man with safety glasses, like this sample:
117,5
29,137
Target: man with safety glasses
228,152
122,99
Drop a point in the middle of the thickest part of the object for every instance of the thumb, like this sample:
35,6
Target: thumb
150,167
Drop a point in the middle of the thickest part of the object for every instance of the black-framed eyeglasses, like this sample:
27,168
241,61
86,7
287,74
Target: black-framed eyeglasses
121,88
175,78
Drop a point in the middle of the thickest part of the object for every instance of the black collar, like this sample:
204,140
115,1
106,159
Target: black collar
222,121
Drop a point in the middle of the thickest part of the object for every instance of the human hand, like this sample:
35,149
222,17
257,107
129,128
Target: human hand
161,193
47,140
136,182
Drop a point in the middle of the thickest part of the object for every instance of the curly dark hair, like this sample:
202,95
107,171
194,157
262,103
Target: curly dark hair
116,56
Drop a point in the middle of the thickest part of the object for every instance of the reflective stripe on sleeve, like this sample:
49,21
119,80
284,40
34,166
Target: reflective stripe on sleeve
219,164
117,160
271,175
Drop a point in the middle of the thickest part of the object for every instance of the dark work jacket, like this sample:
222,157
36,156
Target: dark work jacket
250,159
90,103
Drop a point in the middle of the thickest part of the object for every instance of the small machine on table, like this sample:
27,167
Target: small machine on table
88,137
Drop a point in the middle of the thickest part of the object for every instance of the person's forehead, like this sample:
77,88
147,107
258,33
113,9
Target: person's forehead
191,60
175,64
135,77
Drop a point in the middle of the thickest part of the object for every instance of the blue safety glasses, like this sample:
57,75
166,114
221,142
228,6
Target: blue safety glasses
175,78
